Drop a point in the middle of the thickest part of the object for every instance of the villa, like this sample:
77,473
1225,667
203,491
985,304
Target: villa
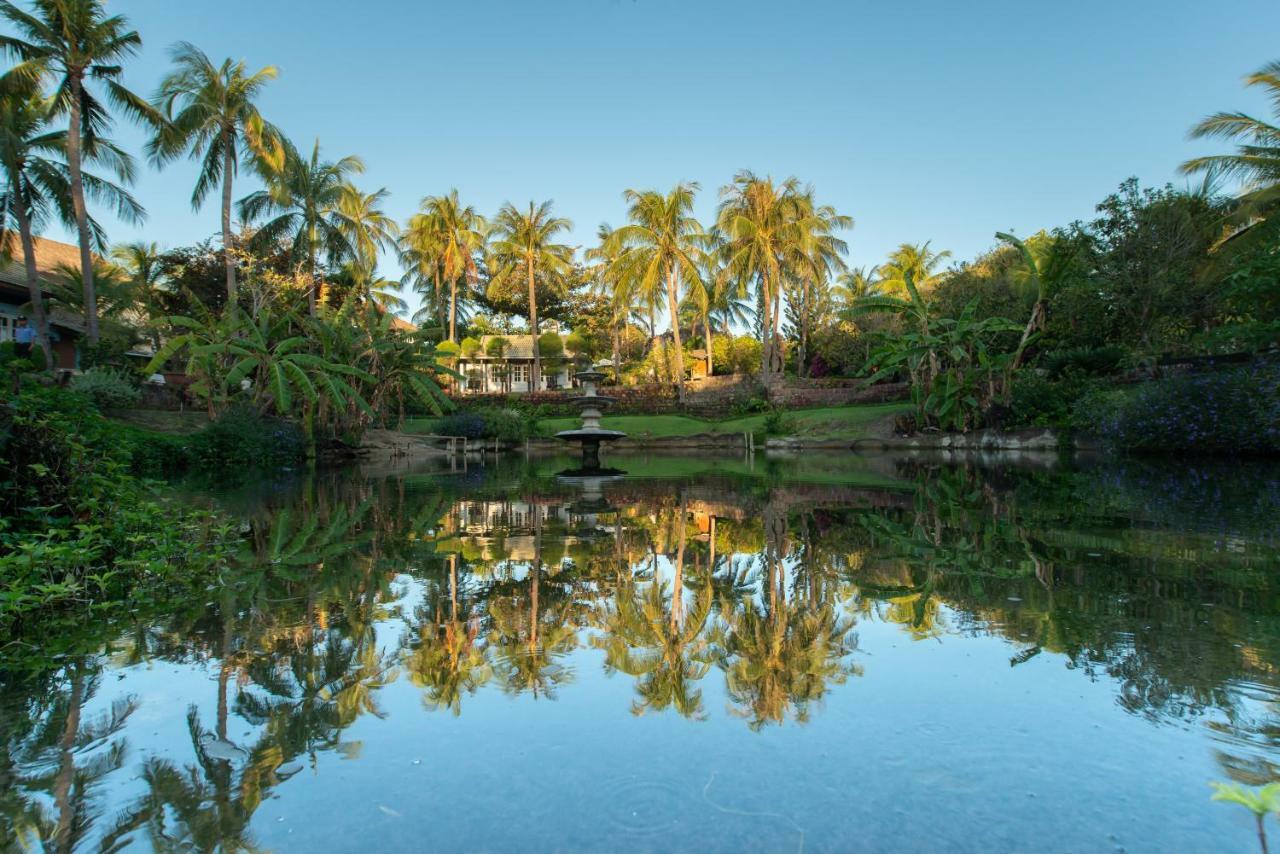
512,371
65,328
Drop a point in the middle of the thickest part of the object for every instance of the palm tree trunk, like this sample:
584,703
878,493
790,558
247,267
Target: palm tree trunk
81,213
313,286
535,382
653,343
228,167
677,588
453,309
766,328
706,326
617,357
675,332
33,284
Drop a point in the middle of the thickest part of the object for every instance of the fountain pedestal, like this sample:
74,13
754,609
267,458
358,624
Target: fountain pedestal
590,435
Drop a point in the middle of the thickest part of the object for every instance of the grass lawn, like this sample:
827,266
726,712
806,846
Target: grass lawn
835,422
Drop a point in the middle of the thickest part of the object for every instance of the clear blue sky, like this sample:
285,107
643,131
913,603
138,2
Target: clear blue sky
940,121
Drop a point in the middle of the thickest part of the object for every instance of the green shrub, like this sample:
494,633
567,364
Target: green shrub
242,436
505,425
776,423
108,388
1094,361
76,528
1038,401
1223,412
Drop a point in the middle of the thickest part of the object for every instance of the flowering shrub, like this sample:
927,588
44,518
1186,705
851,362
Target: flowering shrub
1235,412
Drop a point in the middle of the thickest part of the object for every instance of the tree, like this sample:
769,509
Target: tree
37,186
75,40
1256,161
662,245
763,224
522,244
450,236
306,197
210,114
917,260
140,262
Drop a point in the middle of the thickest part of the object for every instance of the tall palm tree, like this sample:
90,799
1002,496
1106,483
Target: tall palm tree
609,280
818,256
856,283
37,186
452,235
306,197
663,245
762,223
1256,161
211,115
523,244
77,41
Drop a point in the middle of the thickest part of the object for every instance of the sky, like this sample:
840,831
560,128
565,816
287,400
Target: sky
940,120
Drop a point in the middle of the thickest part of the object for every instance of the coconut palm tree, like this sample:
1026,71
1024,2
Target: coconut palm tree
1256,162
76,41
523,244
608,280
140,263
763,224
818,256
662,247
306,197
856,283
210,114
37,186
452,236
366,225
917,259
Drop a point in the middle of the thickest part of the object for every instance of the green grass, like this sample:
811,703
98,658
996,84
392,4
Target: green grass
835,422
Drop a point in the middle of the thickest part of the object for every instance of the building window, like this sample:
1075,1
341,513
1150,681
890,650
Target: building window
519,373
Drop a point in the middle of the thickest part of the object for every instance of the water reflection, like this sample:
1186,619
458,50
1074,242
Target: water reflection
725,599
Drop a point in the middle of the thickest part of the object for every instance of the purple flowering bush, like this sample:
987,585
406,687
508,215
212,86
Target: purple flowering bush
1222,412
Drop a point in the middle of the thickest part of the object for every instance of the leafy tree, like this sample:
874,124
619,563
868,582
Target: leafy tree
76,41
211,115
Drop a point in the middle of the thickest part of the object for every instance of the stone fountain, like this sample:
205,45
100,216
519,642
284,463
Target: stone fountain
591,434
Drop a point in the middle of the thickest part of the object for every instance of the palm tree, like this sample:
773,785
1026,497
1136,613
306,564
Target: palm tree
210,113
37,185
852,285
818,256
140,263
1257,159
306,196
763,224
919,260
75,40
608,281
451,235
522,243
663,244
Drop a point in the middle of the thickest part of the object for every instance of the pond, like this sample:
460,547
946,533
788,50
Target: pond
810,653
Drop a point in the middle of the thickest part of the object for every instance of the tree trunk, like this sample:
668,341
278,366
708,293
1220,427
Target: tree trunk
653,344
81,213
453,310
33,284
677,586
706,325
617,357
228,167
535,381
766,329
313,286
675,332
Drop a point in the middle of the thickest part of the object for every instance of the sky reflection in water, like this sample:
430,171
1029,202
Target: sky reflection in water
864,654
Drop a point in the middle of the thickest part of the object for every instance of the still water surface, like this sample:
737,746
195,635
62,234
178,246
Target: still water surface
802,654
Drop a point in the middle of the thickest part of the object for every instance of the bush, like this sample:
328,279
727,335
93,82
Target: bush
1037,401
1225,412
108,388
505,425
1094,361
775,423
242,437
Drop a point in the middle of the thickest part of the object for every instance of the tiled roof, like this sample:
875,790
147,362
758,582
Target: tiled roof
50,254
